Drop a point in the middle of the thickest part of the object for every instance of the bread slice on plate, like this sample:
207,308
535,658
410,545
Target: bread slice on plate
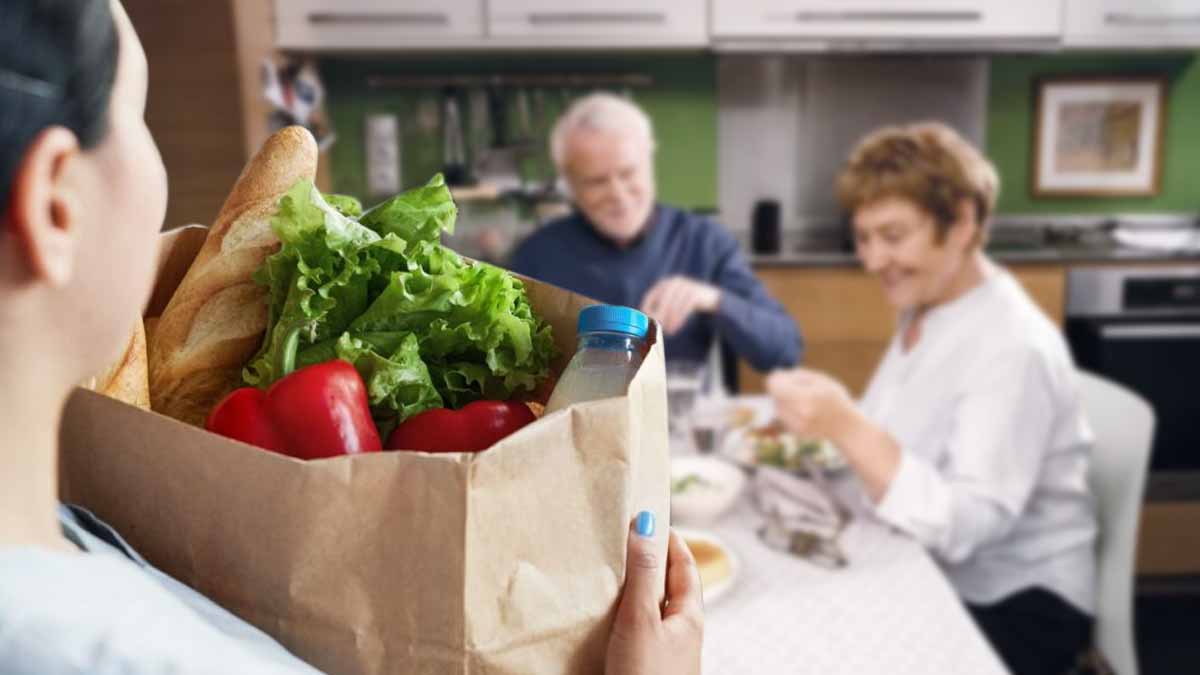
717,563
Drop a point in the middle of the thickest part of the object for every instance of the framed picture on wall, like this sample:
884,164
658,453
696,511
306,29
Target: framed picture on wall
1098,137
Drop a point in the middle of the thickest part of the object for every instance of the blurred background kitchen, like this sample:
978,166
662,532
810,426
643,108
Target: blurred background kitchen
755,105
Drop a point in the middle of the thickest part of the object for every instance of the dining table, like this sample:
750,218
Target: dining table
888,610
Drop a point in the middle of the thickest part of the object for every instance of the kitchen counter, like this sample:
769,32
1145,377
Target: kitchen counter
837,257
1025,239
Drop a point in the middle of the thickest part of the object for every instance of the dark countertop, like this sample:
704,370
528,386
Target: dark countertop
1024,240
1053,255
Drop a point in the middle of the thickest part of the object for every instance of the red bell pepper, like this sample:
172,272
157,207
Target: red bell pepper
318,411
477,426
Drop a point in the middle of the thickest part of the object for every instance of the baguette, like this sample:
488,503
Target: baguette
126,378
215,321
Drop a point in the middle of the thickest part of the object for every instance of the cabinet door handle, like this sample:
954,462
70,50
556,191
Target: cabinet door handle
1151,331
425,19
1130,19
592,18
880,15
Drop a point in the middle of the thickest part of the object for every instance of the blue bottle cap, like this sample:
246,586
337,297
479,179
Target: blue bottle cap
613,319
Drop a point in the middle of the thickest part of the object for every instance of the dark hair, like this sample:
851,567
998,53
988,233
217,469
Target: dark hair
58,61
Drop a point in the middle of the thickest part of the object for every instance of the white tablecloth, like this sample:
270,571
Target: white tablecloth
890,611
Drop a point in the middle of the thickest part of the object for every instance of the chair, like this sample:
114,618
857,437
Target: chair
1123,424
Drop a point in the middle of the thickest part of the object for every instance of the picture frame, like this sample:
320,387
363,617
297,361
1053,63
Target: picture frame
1098,136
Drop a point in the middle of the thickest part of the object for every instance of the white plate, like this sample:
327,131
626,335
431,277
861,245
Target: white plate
712,593
703,504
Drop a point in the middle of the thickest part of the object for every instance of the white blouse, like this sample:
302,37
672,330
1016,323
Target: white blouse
994,447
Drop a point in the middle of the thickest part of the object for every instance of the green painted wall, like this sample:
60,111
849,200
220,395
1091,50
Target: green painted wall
1010,129
682,104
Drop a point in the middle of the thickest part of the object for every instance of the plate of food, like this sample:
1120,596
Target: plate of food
703,488
719,566
773,445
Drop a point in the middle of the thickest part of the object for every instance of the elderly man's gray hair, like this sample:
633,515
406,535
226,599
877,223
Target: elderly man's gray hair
599,111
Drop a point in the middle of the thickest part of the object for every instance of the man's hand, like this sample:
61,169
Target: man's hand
673,300
812,404
653,639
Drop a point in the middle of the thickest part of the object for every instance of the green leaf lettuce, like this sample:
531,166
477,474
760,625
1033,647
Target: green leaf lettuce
424,327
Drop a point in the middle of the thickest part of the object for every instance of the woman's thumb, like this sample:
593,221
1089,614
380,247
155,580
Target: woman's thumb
641,600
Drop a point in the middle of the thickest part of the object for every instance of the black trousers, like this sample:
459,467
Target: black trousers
1035,631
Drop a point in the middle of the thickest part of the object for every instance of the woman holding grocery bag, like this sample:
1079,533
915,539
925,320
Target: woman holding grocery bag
970,436
83,193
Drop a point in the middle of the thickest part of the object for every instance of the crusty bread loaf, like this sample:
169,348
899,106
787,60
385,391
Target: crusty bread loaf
126,378
216,319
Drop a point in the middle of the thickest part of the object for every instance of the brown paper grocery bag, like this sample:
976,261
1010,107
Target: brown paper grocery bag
509,561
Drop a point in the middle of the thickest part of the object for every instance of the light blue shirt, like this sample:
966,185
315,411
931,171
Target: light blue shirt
109,612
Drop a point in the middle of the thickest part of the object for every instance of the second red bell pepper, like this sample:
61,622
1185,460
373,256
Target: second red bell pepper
315,412
477,426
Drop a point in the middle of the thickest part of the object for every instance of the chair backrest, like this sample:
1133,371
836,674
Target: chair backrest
1123,423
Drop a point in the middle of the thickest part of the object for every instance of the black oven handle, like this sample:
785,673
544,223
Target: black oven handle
1151,331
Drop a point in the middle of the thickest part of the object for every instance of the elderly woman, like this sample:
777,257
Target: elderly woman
970,436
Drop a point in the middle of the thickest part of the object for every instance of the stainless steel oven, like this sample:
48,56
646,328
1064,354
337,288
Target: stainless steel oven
1141,327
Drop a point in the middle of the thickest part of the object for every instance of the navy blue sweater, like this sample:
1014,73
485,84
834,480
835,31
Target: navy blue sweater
569,253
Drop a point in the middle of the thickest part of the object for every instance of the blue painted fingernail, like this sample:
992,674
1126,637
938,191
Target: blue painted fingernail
644,525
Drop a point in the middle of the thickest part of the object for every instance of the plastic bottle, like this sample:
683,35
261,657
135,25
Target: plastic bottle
612,344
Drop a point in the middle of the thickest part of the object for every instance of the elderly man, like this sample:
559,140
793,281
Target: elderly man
620,247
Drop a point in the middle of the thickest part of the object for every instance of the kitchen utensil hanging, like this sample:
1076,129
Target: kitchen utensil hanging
454,152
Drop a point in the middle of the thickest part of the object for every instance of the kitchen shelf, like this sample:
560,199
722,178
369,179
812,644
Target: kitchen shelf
529,80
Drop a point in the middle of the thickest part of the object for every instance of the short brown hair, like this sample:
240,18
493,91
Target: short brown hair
929,164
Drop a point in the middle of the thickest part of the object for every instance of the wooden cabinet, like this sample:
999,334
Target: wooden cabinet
866,20
1123,24
847,322
1168,539
842,314
203,107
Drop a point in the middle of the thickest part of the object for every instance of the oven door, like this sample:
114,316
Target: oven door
1160,359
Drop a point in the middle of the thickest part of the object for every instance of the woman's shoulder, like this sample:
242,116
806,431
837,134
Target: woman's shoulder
49,573
55,608
60,612
1012,328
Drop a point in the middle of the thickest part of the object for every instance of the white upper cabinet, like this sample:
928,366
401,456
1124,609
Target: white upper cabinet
588,23
400,25
1123,24
378,24
886,23
756,25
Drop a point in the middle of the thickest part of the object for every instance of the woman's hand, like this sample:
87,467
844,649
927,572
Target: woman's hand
649,638
812,404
